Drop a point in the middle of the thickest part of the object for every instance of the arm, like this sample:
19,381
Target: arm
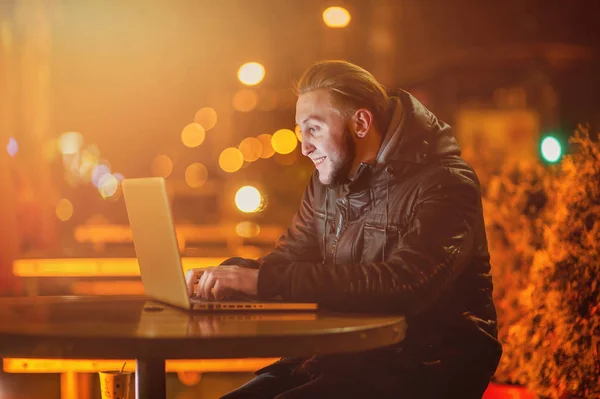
433,251
299,243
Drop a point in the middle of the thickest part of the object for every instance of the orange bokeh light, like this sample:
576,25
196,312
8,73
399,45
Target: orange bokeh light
231,160
162,166
193,135
206,117
267,148
196,175
244,100
251,149
284,141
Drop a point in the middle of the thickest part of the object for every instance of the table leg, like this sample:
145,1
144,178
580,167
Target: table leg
74,385
68,385
150,379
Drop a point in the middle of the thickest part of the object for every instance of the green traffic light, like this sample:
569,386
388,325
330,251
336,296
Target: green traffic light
551,149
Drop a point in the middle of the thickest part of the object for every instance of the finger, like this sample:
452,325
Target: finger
218,290
206,275
222,289
202,283
191,277
209,283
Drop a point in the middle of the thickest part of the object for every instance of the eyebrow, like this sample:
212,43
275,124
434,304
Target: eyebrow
313,116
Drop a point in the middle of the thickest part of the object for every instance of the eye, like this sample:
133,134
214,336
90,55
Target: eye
313,130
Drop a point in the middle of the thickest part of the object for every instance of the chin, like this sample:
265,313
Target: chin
324,179
325,182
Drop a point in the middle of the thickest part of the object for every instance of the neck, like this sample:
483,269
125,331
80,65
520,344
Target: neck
367,149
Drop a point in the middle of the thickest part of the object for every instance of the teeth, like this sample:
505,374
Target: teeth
319,160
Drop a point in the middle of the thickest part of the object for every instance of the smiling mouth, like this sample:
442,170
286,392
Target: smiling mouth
318,161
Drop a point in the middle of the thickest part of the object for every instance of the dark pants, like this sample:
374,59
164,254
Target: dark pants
424,384
270,386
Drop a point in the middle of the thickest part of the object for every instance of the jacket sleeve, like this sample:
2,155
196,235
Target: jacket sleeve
433,250
299,242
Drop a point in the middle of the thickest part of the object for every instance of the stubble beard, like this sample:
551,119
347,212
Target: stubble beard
340,169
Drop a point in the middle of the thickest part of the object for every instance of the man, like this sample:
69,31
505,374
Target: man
391,221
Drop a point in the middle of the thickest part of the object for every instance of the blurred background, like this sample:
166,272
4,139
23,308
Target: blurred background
200,93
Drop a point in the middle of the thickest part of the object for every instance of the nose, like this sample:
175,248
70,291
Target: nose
307,146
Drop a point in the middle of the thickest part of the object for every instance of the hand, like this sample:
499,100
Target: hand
222,281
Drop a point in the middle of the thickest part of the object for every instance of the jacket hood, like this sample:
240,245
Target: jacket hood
414,134
414,137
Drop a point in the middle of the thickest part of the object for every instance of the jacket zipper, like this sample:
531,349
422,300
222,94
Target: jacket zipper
338,233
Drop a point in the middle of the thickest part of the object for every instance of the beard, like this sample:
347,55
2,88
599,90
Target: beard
340,168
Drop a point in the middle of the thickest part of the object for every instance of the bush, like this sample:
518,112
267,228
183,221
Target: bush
544,232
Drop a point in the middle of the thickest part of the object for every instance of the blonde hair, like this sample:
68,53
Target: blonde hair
351,88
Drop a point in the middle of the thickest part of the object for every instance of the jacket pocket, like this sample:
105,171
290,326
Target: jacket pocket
376,241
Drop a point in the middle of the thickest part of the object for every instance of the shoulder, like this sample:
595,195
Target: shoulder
449,173
451,179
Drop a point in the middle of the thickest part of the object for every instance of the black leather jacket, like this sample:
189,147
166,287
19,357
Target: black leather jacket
405,236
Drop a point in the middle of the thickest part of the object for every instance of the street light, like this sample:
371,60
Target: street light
551,149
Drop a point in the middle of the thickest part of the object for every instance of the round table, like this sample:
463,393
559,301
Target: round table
74,327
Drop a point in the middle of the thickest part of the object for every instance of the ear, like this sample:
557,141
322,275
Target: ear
362,121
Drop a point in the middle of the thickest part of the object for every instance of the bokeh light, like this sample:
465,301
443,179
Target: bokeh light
206,117
251,73
99,171
108,185
231,160
196,175
193,135
188,378
64,209
248,199
247,229
70,142
251,149
244,100
12,147
84,168
551,149
336,17
284,141
267,150
162,166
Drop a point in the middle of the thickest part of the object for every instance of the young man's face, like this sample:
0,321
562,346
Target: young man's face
326,138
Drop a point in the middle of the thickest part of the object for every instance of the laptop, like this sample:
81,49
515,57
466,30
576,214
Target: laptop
158,255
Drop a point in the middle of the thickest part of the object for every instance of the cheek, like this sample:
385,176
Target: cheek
334,150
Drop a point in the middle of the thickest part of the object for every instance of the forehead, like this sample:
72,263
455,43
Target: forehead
316,102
